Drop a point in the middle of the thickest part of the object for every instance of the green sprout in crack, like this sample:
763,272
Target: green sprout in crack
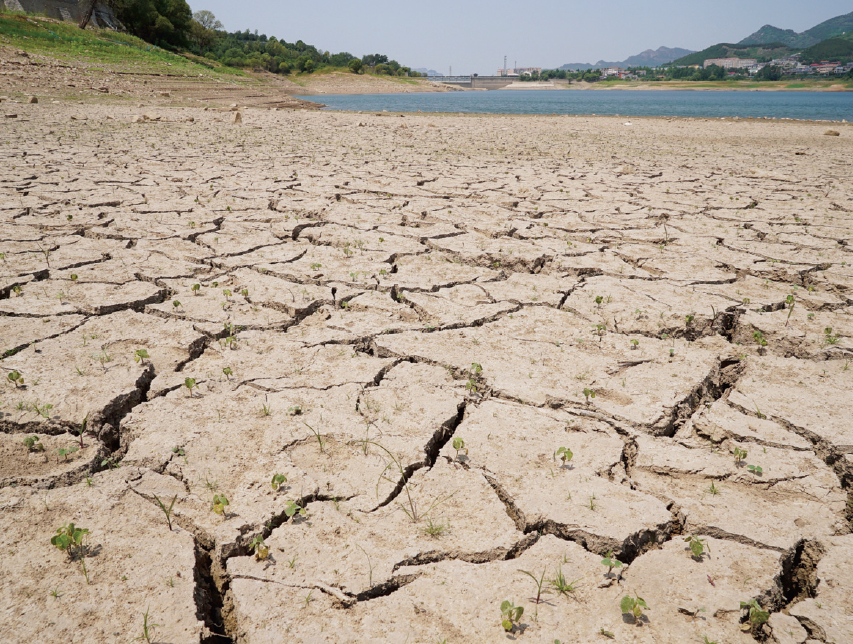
611,562
790,302
740,455
65,451
755,469
436,530
564,454
147,629
688,319
262,550
189,383
560,585
635,344
167,511
140,356
319,438
295,508
227,372
33,444
196,289
756,615
15,378
598,300
540,590
459,446
634,606
510,615
829,338
759,338
219,504
278,480
43,410
697,546
588,393
176,304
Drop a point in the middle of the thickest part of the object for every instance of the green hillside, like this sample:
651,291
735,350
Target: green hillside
832,49
729,50
827,29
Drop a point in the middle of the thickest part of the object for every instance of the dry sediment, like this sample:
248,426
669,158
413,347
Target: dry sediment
349,300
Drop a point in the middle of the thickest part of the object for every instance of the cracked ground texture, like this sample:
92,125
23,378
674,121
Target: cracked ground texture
352,294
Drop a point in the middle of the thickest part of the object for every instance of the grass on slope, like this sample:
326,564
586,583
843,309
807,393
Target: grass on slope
117,51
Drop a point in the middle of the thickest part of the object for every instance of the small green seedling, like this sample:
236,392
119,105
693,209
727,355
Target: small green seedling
560,585
244,292
167,511
564,454
539,590
319,438
435,530
33,444
510,615
293,508
635,344
759,338
189,383
688,319
65,451
176,304
755,469
459,446
73,277
829,338
43,410
70,538
634,606
140,356
82,430
277,480
147,629
757,616
588,393
611,562
697,546
219,504
262,550
266,410
713,489
296,410
606,634
227,372
15,378
740,455
196,289
227,293
598,300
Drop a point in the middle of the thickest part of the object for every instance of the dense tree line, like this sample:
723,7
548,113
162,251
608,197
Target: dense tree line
171,24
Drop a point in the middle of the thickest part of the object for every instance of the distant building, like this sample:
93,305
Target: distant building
731,63
824,67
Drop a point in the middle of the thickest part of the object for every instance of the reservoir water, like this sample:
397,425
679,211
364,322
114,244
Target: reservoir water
833,106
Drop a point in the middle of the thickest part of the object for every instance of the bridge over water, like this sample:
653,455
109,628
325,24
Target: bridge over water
476,82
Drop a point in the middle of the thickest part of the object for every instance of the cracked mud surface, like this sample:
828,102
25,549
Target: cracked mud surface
350,294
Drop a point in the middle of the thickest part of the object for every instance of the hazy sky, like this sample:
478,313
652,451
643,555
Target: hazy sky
474,35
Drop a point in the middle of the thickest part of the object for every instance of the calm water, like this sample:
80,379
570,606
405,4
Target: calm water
833,106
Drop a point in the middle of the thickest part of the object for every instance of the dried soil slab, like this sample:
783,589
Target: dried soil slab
131,556
802,335
237,238
61,297
677,265
281,252
18,332
295,299
721,421
455,307
453,600
270,362
755,293
581,500
92,372
44,467
605,262
504,252
524,288
540,355
211,310
355,552
802,394
829,615
409,416
327,263
796,496
432,271
56,253
357,239
645,306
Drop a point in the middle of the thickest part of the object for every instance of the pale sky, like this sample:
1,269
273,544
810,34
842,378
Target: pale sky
473,36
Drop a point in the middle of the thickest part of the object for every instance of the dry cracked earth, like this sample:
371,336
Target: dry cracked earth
407,319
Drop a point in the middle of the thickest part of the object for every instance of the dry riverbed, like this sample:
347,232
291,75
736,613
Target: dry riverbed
374,336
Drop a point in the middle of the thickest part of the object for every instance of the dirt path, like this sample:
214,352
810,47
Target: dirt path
417,356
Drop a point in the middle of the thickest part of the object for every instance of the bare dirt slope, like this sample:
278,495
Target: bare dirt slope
469,346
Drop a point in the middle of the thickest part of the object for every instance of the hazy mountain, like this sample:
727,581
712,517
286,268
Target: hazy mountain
428,72
648,58
827,29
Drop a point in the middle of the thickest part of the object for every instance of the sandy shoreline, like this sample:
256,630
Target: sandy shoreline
336,298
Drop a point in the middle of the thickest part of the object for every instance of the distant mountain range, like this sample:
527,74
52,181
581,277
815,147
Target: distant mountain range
827,29
648,58
768,41
428,72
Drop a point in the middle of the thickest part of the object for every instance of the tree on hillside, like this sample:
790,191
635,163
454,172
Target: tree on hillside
159,21
355,66
207,20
